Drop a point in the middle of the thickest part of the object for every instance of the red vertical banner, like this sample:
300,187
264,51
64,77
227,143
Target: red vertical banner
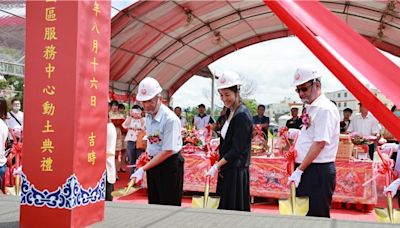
67,74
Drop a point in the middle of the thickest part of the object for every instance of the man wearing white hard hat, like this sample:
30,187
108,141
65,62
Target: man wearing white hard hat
233,180
317,144
164,142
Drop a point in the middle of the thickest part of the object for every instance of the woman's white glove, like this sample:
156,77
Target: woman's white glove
138,174
392,188
295,177
212,170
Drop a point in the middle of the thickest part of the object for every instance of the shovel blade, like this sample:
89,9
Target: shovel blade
125,191
383,216
300,207
198,202
212,202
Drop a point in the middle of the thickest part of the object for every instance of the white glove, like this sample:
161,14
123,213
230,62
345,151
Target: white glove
17,171
212,170
387,147
392,188
295,177
292,133
138,174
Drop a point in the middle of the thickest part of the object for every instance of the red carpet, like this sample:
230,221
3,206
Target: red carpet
261,205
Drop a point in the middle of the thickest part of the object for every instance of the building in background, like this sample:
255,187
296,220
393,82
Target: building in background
344,99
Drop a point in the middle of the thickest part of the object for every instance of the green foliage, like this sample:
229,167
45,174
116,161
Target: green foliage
251,104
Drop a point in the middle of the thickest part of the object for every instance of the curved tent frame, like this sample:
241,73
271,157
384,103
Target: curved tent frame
174,40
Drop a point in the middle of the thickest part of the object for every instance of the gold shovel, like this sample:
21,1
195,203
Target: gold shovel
387,215
295,205
127,190
205,201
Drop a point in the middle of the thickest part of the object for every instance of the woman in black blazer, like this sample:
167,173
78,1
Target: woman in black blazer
235,149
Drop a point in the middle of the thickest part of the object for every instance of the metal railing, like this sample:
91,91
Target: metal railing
13,69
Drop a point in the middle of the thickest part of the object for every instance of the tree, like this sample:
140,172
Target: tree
251,104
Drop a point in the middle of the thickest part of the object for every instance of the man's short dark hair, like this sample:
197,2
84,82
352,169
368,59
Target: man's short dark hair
14,100
294,108
393,108
177,107
261,106
121,106
348,110
201,105
114,103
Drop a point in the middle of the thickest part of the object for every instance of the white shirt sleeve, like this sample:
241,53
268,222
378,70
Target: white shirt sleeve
111,138
172,139
323,125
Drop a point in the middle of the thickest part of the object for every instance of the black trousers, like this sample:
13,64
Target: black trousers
318,183
371,150
165,182
233,188
109,189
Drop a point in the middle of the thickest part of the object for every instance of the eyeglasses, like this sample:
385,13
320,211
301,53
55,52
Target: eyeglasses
303,89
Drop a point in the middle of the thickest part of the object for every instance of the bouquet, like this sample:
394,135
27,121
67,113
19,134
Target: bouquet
358,139
259,146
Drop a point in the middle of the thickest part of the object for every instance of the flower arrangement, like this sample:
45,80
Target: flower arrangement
358,139
191,137
306,119
154,138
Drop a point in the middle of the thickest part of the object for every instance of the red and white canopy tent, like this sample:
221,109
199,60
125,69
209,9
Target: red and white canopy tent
174,40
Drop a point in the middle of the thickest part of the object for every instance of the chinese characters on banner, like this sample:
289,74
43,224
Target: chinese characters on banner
66,88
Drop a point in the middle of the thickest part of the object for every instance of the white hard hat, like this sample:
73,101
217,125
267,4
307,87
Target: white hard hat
228,79
304,74
148,89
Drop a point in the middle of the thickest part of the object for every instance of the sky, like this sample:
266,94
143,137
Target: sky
271,64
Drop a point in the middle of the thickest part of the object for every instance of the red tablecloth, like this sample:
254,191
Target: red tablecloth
268,178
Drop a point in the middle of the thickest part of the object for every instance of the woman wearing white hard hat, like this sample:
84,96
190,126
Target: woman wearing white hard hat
164,141
317,144
233,180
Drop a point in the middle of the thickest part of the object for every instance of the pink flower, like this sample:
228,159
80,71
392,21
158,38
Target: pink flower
306,119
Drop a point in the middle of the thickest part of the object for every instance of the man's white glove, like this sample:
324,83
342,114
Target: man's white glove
392,188
295,177
212,170
138,174
17,171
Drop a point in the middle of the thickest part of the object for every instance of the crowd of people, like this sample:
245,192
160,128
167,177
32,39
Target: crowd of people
11,124
317,143
318,140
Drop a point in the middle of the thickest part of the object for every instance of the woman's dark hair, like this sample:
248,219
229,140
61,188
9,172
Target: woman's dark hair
114,103
121,106
3,108
136,107
234,89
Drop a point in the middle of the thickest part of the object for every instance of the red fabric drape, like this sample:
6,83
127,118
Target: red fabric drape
343,51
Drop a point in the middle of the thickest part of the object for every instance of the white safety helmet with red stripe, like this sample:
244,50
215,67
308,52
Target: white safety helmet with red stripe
228,79
304,74
148,89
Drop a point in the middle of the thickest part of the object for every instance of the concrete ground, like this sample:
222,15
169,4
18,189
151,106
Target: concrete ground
119,214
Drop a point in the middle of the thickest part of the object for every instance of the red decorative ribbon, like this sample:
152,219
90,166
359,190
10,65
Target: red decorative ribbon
291,154
16,155
143,159
386,167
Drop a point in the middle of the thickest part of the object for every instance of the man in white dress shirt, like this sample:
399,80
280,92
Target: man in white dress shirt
164,142
15,118
366,125
317,144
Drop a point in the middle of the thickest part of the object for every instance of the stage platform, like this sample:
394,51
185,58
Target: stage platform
119,214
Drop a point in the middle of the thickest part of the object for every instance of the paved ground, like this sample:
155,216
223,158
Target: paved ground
142,215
